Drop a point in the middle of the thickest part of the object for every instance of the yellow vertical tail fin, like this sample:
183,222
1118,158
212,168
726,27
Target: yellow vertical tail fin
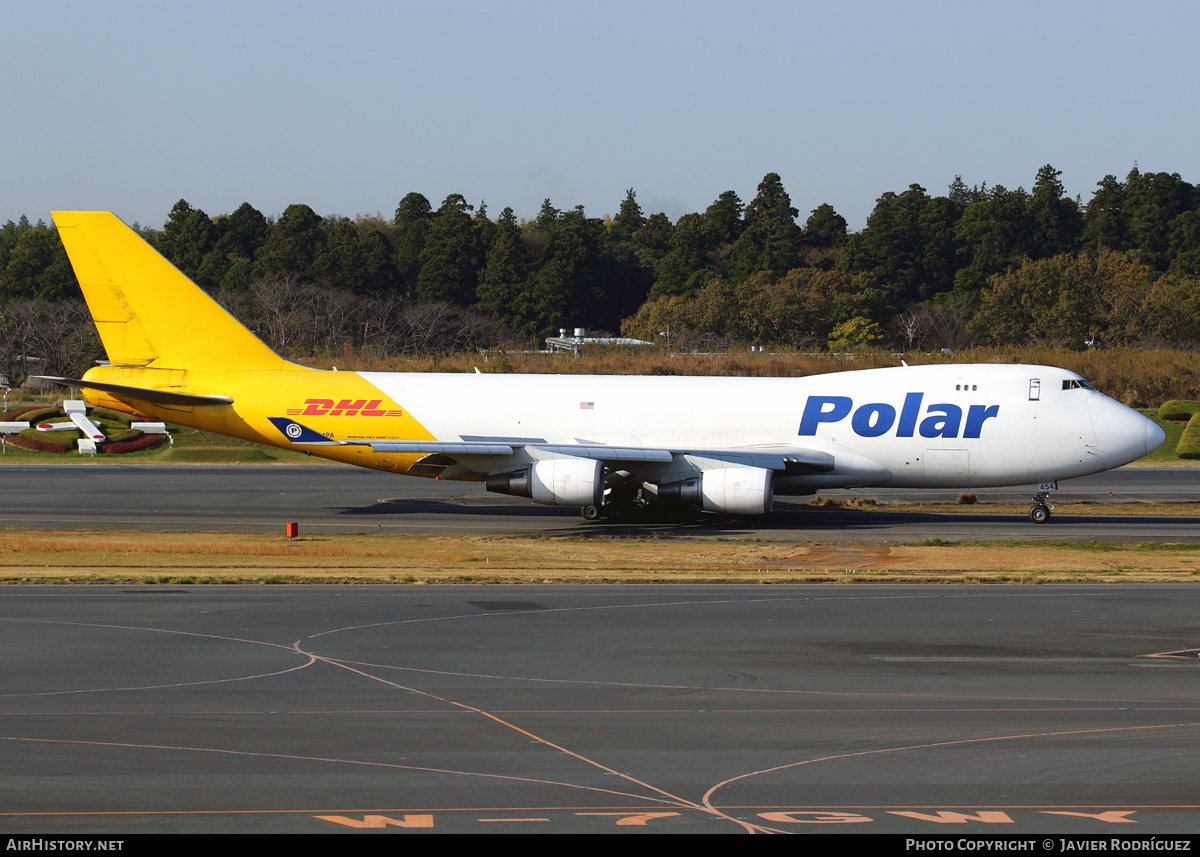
148,313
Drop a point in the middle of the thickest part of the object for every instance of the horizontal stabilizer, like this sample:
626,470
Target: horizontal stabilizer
160,397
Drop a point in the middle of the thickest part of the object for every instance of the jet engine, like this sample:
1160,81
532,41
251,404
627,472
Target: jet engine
732,490
554,482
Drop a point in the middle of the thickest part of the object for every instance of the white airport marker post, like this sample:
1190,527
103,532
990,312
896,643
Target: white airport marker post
7,428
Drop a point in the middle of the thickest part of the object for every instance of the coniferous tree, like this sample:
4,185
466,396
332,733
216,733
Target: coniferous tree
1152,201
451,258
824,227
687,266
771,241
38,267
414,215
1105,226
1055,221
165,239
10,234
196,238
292,243
504,280
723,219
629,219
230,263
995,233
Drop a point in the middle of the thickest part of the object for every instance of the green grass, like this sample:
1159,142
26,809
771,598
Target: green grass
221,455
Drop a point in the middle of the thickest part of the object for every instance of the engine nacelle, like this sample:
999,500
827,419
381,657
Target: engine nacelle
555,482
732,490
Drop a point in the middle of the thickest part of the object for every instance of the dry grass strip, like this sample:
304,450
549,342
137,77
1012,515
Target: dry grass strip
44,556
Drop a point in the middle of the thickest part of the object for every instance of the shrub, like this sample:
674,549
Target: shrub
35,444
1178,409
50,441
1183,409
149,441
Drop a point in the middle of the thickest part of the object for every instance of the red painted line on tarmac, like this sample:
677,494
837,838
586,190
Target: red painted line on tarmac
962,742
679,801
294,757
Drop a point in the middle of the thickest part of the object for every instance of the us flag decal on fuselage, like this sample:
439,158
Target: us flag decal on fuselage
345,407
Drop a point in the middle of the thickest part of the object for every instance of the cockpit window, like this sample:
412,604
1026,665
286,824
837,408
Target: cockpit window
1077,384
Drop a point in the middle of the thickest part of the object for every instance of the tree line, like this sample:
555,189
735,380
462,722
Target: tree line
975,265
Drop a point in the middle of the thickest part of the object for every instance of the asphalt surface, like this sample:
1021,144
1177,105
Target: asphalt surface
349,499
905,709
911,710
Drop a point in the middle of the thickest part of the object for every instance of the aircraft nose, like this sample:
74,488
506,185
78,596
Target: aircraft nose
1155,436
1123,434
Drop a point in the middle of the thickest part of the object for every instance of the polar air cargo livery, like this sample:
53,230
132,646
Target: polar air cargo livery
606,444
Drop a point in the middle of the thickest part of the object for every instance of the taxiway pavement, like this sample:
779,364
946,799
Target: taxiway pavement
348,499
402,709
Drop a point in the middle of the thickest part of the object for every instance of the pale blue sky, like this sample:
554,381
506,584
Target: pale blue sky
129,106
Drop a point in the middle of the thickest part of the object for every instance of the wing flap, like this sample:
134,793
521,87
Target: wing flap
608,453
450,448
809,460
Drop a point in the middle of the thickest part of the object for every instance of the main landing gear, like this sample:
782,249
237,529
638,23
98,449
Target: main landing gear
622,510
1039,513
623,505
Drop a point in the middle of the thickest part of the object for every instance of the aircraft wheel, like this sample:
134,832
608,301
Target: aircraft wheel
1039,514
621,510
590,513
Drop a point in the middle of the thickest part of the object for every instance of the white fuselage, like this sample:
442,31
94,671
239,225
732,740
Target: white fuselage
968,426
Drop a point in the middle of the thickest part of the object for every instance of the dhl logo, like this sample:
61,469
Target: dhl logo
345,407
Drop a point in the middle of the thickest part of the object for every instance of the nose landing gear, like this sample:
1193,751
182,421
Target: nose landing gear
1039,513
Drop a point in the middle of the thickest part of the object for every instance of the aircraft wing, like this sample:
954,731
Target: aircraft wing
772,458
600,453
